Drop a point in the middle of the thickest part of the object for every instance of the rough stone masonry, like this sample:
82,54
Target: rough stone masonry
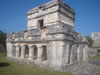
50,39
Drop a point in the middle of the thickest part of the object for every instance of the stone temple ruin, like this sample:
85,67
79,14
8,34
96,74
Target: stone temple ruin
50,39
96,38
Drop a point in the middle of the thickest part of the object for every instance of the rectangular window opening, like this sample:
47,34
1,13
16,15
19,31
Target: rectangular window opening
41,23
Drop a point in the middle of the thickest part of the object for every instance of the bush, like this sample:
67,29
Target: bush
2,41
90,41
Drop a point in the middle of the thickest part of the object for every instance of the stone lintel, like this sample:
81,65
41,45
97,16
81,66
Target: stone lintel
31,46
60,40
29,41
59,33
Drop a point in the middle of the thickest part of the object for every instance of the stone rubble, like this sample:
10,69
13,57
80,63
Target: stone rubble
85,68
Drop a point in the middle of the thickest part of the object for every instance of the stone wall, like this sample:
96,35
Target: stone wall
93,51
96,38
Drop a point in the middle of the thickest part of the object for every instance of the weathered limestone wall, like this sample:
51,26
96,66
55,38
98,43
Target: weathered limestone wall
63,53
25,35
93,51
9,49
51,19
73,55
85,52
80,52
66,20
96,38
66,50
46,15
55,54
33,23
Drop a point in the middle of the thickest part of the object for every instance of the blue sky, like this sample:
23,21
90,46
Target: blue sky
13,14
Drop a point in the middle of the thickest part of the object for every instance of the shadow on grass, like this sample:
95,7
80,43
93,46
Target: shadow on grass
4,64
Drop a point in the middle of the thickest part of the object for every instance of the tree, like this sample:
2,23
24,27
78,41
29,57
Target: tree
2,41
90,41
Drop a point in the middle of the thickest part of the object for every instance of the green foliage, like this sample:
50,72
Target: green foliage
90,41
12,68
2,42
2,37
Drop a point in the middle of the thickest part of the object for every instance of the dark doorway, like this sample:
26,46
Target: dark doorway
26,52
41,23
20,52
44,55
35,52
14,50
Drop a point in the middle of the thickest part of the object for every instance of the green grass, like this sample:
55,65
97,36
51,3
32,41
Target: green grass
95,47
96,57
12,68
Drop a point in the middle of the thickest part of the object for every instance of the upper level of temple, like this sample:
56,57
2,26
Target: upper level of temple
50,13
51,21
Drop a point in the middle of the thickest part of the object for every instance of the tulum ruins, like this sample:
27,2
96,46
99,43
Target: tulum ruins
49,40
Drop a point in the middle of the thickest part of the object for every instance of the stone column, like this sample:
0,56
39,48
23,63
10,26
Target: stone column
12,51
17,51
59,48
31,52
66,54
40,52
22,51
85,52
80,52
9,49
73,55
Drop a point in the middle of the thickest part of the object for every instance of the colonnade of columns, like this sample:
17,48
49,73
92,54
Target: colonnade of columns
78,53
74,52
31,52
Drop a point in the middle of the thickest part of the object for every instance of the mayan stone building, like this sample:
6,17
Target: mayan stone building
96,38
50,39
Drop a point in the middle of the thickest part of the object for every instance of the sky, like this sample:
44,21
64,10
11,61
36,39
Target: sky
13,14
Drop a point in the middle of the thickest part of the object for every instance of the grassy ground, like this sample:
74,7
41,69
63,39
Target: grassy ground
12,68
96,57
95,47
